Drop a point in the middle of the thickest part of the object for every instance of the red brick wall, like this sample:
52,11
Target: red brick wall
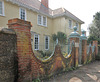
29,67
96,46
84,51
27,63
76,55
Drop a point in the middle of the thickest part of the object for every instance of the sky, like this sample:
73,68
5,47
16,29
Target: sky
83,9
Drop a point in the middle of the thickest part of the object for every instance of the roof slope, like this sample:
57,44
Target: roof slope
36,5
64,12
33,4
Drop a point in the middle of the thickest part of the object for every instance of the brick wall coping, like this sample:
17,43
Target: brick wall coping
19,22
7,31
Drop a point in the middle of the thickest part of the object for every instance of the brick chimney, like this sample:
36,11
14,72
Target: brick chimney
45,3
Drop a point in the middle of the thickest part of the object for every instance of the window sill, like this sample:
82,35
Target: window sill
36,49
71,28
42,25
2,15
46,49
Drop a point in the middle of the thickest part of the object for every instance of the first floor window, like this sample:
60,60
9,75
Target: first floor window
46,42
70,23
22,14
77,26
42,20
36,42
39,19
1,8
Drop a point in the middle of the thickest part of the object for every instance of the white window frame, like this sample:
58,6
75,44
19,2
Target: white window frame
45,21
38,42
77,25
42,21
70,22
20,13
38,20
3,14
48,42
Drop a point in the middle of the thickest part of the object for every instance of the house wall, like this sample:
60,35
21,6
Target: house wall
12,11
53,24
62,24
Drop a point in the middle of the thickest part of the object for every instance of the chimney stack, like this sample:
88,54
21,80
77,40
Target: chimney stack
45,3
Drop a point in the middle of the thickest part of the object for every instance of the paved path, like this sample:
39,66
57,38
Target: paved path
87,73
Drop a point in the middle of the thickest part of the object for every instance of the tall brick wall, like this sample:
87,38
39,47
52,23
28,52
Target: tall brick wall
30,67
8,59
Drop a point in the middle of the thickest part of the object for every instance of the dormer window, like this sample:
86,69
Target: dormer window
42,20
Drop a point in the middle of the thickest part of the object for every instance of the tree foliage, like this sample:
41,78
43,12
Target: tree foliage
94,28
62,37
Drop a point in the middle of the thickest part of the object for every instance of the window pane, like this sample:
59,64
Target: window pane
22,14
36,43
1,8
39,20
46,42
44,21
77,26
70,24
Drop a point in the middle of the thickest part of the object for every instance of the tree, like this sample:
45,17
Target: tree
94,28
62,37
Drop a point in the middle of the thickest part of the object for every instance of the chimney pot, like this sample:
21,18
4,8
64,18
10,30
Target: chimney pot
45,3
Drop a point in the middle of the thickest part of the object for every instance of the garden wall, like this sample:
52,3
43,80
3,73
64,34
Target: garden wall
31,67
8,59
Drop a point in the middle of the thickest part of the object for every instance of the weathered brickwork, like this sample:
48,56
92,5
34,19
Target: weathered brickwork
84,51
76,52
30,67
8,59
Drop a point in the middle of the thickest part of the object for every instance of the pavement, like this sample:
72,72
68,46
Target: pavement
86,73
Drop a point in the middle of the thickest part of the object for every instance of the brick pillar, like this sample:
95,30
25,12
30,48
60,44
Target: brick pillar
24,50
84,47
84,51
96,47
75,36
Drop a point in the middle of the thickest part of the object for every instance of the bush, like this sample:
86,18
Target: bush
97,57
45,54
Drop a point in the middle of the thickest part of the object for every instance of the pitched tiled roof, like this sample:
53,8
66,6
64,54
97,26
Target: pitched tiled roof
64,12
33,4
36,5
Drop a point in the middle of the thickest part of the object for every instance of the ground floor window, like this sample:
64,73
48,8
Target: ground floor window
46,42
36,42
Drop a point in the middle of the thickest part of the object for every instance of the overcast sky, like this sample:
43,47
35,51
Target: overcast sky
83,9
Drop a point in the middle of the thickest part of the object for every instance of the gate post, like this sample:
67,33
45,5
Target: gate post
96,47
74,36
24,49
84,47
